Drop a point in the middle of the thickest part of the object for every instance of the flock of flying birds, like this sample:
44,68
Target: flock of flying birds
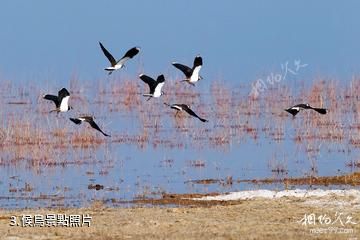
192,75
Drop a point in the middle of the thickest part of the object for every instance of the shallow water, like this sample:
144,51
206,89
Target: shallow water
47,161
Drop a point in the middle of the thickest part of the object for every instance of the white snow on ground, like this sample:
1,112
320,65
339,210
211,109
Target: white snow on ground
330,196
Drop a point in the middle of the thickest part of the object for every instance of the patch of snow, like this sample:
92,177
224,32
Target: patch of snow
297,193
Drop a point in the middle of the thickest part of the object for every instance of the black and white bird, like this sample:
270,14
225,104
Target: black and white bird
61,101
115,65
297,108
90,120
192,74
155,86
186,108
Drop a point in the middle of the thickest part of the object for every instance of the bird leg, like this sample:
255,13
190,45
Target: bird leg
186,80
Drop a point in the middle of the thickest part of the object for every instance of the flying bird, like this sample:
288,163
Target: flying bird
115,65
186,108
192,74
155,86
61,101
299,107
90,120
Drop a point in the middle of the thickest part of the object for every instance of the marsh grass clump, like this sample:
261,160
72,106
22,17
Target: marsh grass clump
140,140
22,132
85,139
197,163
278,165
221,97
126,95
353,164
352,179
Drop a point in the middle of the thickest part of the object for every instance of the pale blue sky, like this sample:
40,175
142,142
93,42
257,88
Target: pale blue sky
239,40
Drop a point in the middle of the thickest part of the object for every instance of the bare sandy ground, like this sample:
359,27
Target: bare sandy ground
259,218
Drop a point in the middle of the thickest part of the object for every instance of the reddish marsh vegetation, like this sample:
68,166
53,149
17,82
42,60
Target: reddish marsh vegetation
234,116
146,131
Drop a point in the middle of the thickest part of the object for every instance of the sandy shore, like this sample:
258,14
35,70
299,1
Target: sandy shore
337,217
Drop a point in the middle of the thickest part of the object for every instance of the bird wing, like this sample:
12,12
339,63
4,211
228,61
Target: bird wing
197,62
191,112
149,81
75,120
301,105
160,79
320,110
63,93
108,55
94,125
53,98
64,96
293,111
176,107
129,54
185,69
